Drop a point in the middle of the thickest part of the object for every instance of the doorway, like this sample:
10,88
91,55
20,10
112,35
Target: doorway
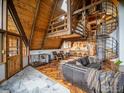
13,55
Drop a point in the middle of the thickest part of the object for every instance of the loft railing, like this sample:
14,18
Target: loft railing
57,24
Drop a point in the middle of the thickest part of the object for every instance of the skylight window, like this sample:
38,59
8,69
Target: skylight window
64,5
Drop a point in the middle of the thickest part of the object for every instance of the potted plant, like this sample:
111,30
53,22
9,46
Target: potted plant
117,64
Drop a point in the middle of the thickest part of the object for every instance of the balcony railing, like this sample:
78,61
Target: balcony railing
58,26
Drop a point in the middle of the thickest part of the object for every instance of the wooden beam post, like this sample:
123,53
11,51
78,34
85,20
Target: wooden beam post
16,19
34,20
69,17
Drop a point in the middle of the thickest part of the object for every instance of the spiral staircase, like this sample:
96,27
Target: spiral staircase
105,23
81,29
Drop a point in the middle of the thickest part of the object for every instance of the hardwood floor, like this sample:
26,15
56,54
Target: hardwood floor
52,70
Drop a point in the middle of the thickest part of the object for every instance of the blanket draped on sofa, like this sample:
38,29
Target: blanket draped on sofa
105,81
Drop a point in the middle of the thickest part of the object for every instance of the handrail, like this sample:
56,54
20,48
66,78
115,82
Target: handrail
58,17
87,7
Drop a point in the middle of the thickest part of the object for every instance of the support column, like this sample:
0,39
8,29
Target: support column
121,33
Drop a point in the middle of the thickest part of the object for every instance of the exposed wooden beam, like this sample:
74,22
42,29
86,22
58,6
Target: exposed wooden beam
35,19
87,7
69,17
14,34
16,19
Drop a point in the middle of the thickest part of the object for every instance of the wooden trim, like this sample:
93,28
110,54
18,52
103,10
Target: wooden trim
10,33
13,34
16,19
34,20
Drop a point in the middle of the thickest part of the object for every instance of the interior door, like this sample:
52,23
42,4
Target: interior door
13,55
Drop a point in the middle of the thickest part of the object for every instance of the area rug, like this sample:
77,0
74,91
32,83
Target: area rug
30,80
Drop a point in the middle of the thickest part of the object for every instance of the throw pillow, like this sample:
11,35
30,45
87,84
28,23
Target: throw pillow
83,62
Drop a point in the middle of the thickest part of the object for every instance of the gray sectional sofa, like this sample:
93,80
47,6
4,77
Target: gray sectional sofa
76,73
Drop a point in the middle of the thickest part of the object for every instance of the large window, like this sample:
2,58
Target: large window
64,5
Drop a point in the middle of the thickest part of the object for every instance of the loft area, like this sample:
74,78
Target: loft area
61,46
